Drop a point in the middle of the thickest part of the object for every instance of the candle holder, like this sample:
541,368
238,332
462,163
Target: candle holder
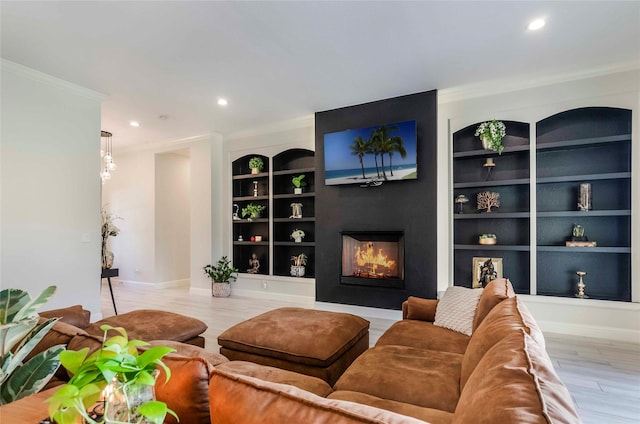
581,285
255,189
584,203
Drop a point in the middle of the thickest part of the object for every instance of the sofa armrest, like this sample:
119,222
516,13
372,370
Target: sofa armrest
419,309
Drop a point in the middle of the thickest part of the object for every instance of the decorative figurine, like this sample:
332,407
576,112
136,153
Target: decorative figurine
581,285
254,263
236,208
585,197
240,238
488,199
461,200
489,164
578,239
296,210
487,273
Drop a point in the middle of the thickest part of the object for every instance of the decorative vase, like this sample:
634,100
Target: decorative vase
107,259
255,171
122,402
220,289
298,239
485,142
297,271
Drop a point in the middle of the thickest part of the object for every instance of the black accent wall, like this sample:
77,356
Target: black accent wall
408,206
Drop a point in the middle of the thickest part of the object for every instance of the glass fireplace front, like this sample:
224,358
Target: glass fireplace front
374,258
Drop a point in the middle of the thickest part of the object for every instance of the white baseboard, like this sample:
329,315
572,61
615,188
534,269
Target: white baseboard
161,285
598,332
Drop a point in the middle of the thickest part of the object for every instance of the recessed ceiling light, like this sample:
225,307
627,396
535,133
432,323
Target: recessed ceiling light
134,123
222,101
536,24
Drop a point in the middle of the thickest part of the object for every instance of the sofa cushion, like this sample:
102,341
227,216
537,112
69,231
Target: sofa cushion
240,399
515,383
457,309
430,415
276,375
74,315
187,391
298,335
508,316
495,292
424,335
183,349
422,377
149,324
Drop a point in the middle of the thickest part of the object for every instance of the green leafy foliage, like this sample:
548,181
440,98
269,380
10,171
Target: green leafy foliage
222,272
256,163
297,181
19,334
253,210
118,360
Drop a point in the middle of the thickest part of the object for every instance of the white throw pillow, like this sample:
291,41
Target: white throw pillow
457,308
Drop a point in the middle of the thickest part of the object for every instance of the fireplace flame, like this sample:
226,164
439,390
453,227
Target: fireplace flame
369,260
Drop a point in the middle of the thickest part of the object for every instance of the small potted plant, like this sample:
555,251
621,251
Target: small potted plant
253,211
221,275
487,239
298,184
299,261
491,134
256,164
297,235
119,373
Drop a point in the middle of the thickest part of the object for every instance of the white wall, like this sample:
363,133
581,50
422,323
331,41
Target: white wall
152,190
172,217
50,187
464,106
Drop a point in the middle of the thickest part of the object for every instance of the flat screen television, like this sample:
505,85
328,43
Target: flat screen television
371,155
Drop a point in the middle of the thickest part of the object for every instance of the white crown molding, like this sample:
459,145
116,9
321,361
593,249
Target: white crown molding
276,127
16,68
168,145
506,85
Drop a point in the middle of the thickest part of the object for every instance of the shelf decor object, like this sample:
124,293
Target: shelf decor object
255,189
296,211
254,264
297,235
298,184
487,239
585,197
298,267
581,285
485,270
256,164
461,200
489,164
236,208
254,211
491,134
488,199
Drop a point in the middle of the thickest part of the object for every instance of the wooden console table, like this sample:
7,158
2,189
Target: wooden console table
108,273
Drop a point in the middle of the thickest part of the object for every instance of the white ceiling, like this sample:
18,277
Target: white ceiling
280,60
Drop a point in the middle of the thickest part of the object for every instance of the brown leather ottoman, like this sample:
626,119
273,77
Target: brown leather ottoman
151,324
317,343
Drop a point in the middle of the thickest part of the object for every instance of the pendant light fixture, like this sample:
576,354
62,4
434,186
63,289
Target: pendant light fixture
106,153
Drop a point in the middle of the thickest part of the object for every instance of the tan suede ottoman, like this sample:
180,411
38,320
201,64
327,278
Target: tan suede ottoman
151,324
317,343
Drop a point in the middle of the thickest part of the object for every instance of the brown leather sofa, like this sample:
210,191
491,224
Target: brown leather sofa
418,372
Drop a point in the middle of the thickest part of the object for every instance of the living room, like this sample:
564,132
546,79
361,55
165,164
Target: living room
51,197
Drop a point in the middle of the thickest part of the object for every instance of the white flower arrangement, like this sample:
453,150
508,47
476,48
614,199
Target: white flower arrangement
297,234
491,134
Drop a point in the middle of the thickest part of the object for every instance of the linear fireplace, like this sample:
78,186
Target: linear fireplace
373,258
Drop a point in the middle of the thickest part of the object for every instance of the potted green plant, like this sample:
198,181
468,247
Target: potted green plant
491,134
117,372
487,239
256,164
19,334
221,275
298,267
298,183
253,211
297,235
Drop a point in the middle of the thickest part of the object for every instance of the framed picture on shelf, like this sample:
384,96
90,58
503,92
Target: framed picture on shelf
485,270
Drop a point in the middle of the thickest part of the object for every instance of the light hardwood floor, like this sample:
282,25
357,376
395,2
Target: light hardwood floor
602,376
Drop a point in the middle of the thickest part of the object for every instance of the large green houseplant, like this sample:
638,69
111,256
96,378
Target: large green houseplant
119,368
221,275
19,334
